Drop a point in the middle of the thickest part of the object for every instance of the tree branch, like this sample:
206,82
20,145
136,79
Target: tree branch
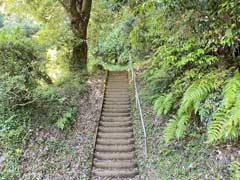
24,104
64,5
73,9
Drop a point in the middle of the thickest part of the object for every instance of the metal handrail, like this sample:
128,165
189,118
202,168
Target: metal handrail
138,105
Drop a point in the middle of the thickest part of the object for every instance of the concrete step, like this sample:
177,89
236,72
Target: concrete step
124,135
115,114
114,156
115,129
114,148
116,110
116,124
116,173
105,141
116,106
116,103
115,119
115,164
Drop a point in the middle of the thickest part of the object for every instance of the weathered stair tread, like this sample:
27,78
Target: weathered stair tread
115,129
125,97
115,114
116,106
116,99
105,141
116,110
115,135
116,90
113,95
115,119
114,148
115,164
116,156
116,124
115,141
116,103
116,173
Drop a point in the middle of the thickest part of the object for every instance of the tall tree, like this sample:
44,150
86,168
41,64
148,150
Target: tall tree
79,13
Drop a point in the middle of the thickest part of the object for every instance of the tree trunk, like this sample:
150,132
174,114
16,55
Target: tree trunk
79,13
80,49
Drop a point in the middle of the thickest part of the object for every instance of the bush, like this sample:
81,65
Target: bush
21,62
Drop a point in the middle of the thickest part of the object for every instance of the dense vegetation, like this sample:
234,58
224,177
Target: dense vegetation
37,86
190,54
187,53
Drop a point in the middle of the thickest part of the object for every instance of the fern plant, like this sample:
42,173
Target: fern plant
164,104
170,129
226,123
192,97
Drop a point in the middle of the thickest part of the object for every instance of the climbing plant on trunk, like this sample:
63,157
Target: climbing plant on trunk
79,13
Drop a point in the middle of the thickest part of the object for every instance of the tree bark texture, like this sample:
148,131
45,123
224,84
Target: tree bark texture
79,13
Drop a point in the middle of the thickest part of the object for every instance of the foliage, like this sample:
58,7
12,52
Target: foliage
22,62
226,119
114,47
2,19
190,102
235,170
189,52
36,86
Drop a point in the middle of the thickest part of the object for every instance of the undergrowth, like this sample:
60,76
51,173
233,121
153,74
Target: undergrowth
30,98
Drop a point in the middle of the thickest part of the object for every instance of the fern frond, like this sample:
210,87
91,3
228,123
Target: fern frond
158,105
181,125
197,92
230,90
192,97
164,104
226,123
216,126
170,129
168,103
